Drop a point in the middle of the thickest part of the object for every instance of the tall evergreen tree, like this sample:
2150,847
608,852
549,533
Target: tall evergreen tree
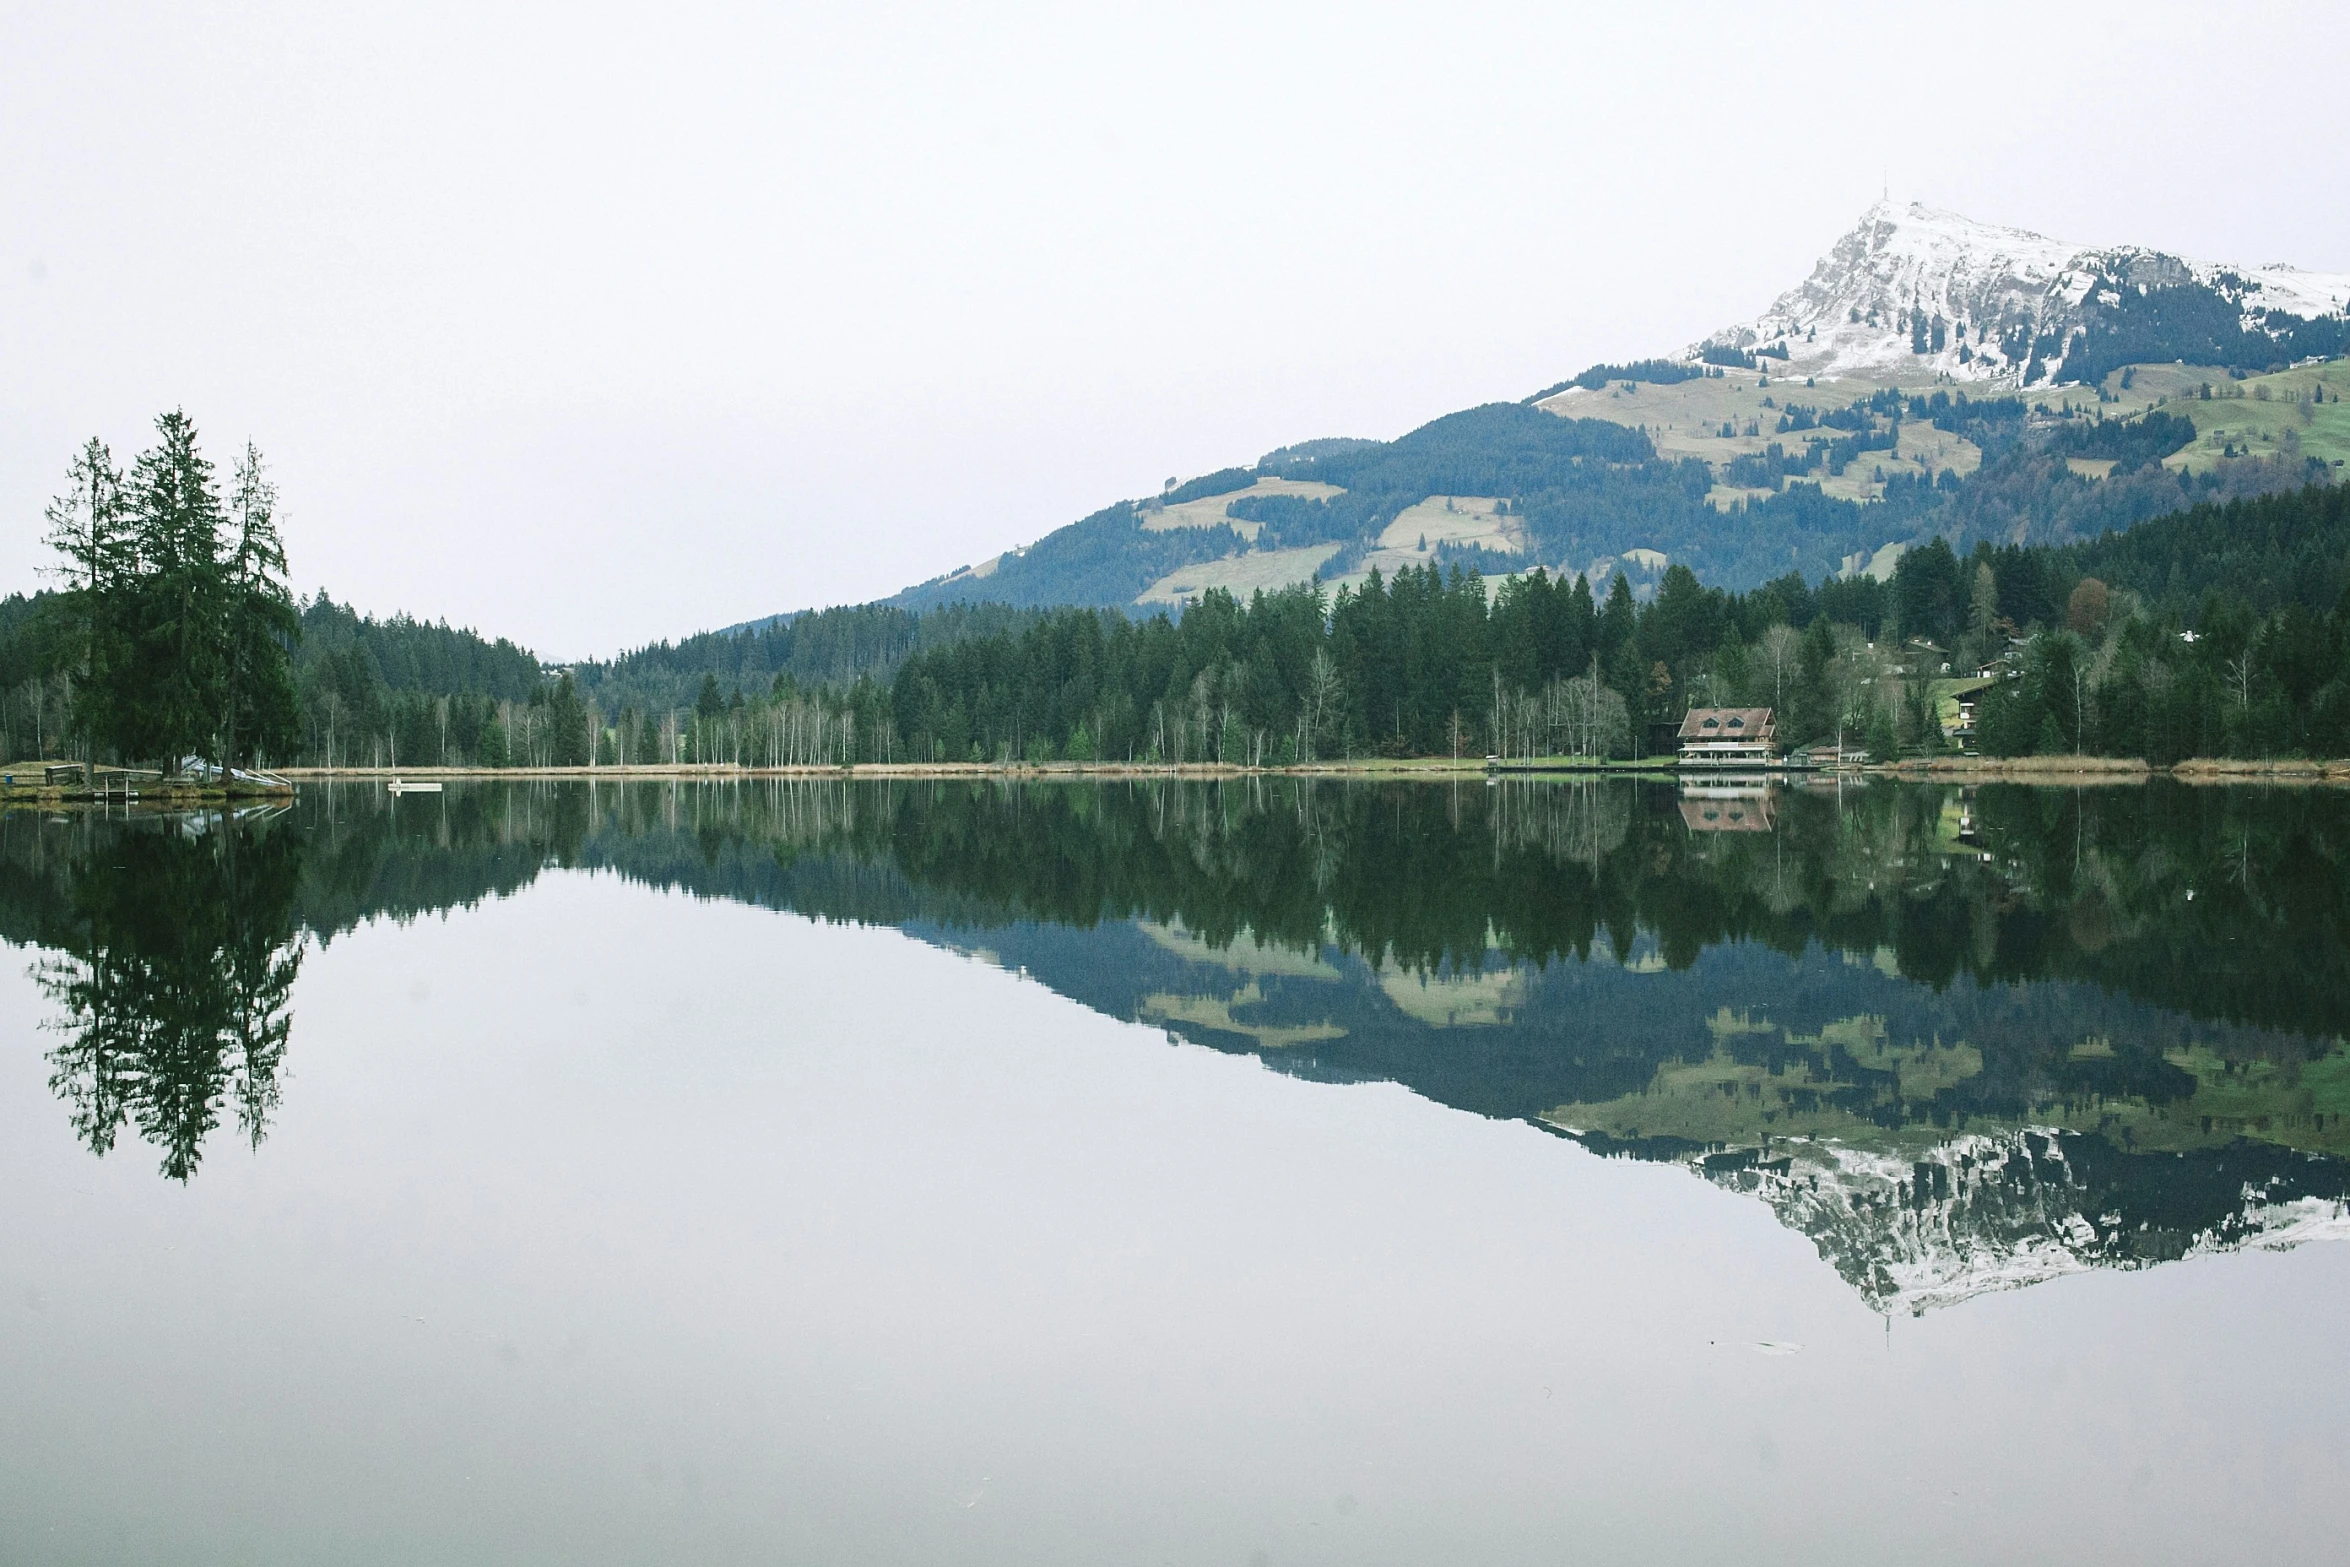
1816,712
87,527
165,704
568,726
259,708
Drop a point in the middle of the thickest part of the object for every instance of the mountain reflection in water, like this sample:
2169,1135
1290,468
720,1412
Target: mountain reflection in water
1962,1039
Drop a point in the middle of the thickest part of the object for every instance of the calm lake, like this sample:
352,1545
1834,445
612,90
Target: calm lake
1255,1172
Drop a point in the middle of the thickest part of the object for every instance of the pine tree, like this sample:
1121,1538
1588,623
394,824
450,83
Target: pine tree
567,725
1814,690
1616,624
1982,614
164,699
87,527
259,708
1732,673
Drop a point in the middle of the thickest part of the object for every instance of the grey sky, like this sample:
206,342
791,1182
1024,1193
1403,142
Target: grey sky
591,326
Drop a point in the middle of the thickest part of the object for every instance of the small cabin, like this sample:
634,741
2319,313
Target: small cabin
1716,736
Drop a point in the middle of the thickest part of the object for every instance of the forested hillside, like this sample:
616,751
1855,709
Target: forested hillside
1110,557
405,655
2221,630
364,688
2254,661
829,647
2286,552
1798,484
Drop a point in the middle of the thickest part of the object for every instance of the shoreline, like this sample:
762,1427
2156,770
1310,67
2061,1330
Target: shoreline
726,770
2074,771
2109,769
43,795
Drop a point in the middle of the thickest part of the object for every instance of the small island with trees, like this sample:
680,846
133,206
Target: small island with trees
169,639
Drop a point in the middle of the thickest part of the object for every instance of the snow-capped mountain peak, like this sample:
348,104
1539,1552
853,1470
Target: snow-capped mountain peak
1916,292
2001,1211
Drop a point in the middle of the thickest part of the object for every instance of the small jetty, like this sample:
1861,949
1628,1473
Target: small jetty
413,786
82,782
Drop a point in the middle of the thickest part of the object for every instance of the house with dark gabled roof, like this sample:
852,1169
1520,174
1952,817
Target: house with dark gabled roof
1716,736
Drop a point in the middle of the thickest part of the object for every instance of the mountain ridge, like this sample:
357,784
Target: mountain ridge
1922,379
2025,298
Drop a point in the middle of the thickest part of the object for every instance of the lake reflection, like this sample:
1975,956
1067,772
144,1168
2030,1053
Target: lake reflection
173,958
1963,1039
898,1219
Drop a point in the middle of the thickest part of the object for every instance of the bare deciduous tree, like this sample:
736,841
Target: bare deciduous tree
1781,645
1322,698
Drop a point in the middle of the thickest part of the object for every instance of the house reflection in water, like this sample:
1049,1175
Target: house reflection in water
1732,805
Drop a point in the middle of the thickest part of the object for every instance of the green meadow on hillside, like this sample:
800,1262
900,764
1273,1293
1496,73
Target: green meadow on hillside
2274,415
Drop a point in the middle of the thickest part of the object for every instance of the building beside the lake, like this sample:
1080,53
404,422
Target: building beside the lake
1955,705
1728,736
1828,756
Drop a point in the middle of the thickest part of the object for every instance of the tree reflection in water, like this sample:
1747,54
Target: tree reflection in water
1962,1038
173,959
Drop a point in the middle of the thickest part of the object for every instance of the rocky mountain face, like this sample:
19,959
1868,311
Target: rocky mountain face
2000,1211
1916,293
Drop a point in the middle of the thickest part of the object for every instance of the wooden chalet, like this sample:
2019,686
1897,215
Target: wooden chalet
1955,704
1728,737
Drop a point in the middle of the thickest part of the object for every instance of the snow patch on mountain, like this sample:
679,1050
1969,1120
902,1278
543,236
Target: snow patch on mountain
1982,1213
1914,293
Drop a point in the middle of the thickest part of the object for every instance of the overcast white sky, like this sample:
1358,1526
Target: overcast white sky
590,326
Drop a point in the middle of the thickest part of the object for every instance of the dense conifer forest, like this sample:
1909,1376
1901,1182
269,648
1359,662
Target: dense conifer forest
167,639
2220,630
1584,489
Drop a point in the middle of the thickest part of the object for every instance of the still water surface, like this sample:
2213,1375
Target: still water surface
1238,1173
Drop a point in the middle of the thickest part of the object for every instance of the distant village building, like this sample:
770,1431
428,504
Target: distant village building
1956,703
1728,736
1962,733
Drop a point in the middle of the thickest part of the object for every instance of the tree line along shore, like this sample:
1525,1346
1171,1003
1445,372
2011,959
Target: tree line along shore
2219,633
